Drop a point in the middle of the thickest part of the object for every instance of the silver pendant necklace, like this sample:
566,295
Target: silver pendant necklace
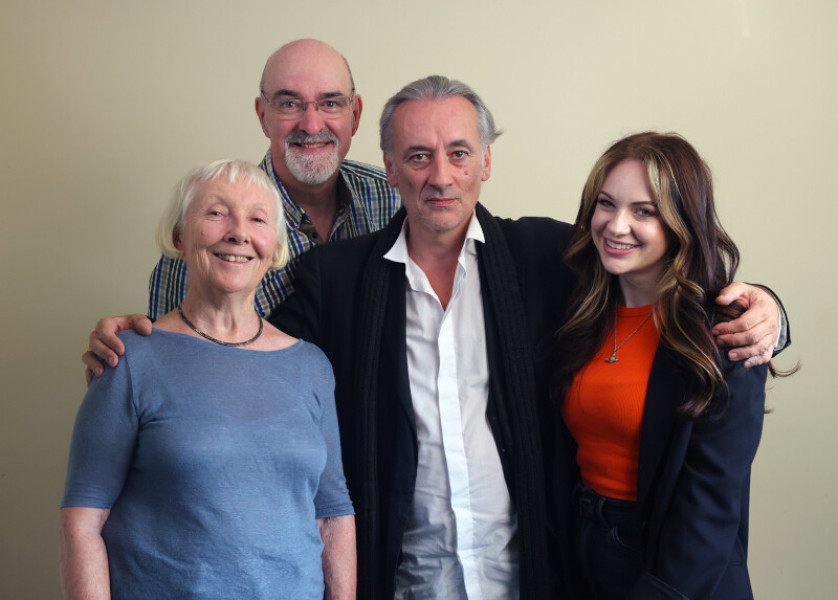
613,358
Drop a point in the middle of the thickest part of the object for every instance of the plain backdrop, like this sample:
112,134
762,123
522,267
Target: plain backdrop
105,104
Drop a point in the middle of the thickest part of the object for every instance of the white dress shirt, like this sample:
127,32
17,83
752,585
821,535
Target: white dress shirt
461,538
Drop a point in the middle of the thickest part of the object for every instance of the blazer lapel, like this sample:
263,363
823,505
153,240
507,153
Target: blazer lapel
664,394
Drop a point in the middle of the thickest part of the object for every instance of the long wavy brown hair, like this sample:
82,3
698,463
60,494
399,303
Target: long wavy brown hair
701,259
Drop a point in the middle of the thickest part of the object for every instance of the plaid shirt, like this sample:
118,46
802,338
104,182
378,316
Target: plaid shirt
366,204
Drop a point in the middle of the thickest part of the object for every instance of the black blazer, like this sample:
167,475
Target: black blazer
693,486
338,301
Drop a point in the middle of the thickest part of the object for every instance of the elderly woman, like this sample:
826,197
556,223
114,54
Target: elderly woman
207,463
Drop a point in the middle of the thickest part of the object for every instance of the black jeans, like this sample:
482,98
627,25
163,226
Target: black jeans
609,544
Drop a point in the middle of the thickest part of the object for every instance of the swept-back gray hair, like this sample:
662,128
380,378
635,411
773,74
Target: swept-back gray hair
231,171
437,87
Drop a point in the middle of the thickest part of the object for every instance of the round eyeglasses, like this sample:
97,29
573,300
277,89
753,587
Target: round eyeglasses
291,107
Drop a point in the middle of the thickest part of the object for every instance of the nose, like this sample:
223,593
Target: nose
237,232
619,224
310,121
440,174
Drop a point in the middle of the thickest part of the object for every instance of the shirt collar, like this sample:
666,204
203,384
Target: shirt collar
474,233
293,212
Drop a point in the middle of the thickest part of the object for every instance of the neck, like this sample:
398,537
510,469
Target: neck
437,254
310,197
636,292
319,202
230,317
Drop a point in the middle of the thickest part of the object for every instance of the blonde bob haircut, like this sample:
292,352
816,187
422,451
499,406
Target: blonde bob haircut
232,171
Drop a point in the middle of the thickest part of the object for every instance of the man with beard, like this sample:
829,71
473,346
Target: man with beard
308,108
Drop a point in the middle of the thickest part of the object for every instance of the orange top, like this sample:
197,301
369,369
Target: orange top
604,406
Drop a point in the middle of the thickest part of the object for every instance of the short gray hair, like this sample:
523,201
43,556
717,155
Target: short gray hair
233,171
437,87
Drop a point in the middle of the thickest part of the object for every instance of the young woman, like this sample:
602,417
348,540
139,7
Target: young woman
665,427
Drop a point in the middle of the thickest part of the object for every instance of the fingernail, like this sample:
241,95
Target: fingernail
734,356
99,371
112,362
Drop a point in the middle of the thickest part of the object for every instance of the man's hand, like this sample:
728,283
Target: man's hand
753,335
105,345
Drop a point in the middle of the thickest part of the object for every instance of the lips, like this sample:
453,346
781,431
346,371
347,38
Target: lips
440,201
617,249
313,145
301,139
619,246
233,258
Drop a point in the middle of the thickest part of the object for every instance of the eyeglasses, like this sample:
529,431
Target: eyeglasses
330,107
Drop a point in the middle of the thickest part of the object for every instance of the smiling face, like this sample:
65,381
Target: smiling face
228,237
628,232
307,150
437,164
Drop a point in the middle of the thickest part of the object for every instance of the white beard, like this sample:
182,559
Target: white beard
311,170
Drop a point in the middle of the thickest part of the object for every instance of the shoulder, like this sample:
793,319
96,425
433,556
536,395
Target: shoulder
136,343
308,359
343,253
359,249
735,370
355,170
369,186
535,238
145,351
314,357
744,381
545,227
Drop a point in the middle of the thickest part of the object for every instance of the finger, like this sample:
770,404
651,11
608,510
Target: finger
733,292
104,352
93,365
748,351
141,324
760,359
742,339
737,326
88,376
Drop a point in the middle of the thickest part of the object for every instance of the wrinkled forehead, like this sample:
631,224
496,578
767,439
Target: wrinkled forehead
449,121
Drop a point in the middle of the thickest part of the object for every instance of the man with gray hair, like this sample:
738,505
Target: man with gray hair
426,326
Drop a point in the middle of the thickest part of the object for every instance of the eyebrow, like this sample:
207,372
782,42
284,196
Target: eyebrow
417,147
610,197
455,144
294,94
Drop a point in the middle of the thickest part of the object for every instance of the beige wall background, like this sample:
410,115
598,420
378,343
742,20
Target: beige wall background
106,103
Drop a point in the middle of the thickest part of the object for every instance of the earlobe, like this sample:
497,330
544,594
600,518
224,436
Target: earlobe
390,168
487,164
260,114
356,113
176,242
